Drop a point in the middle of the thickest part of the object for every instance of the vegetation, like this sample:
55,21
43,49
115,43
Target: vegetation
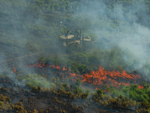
35,27
121,98
47,15
111,60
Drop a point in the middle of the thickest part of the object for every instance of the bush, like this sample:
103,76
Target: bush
87,91
78,90
99,92
1,103
78,82
84,95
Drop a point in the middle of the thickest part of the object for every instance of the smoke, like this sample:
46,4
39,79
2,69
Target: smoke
27,32
2,58
121,25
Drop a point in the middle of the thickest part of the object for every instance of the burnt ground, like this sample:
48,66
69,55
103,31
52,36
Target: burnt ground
21,98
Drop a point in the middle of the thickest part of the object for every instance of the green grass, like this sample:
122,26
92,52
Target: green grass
34,80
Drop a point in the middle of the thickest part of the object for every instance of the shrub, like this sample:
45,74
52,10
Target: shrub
78,90
87,91
64,85
53,79
1,103
35,111
78,82
84,95
99,92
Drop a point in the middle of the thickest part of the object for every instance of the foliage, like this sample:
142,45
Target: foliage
39,21
99,92
82,63
78,90
1,103
78,82
34,80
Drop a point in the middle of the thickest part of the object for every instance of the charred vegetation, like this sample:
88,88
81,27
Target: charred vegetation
74,56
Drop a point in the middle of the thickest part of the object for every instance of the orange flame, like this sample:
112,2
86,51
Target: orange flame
14,70
140,87
43,65
57,67
64,68
100,77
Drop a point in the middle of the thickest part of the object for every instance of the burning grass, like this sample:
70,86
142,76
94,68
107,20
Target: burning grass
64,98
55,95
57,86
99,77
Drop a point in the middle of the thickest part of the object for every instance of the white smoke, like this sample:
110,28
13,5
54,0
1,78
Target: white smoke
125,26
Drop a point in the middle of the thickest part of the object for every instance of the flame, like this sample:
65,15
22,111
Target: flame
140,87
57,67
14,71
64,68
43,65
101,76
97,78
